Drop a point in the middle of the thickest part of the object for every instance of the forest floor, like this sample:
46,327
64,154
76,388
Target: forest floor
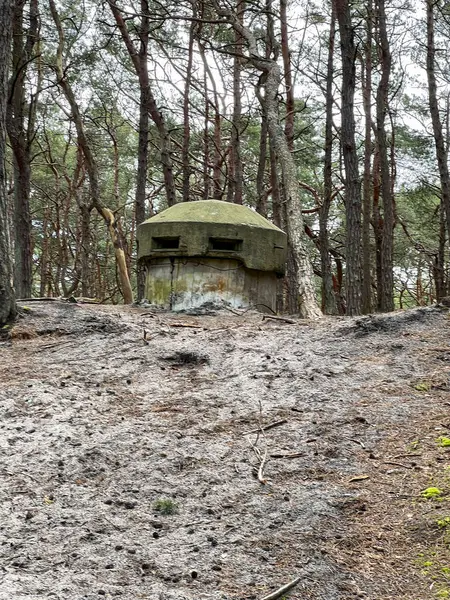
218,456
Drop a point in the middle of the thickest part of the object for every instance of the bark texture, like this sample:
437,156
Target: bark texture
440,145
329,305
287,67
352,180
141,175
185,159
385,286
367,177
7,301
20,125
235,167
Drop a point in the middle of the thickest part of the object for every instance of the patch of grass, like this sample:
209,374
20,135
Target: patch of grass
431,493
434,561
165,506
444,442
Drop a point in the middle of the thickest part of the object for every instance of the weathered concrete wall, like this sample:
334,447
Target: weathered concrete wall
184,283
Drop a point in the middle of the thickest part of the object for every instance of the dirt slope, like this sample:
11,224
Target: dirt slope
129,466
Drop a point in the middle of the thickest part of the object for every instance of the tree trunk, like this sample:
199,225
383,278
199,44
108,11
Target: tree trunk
7,301
441,149
386,292
91,165
142,167
206,144
151,106
367,179
306,301
261,188
141,181
261,192
235,175
218,159
290,102
185,161
377,219
352,180
328,297
20,135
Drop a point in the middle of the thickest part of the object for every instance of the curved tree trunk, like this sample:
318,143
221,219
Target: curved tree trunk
271,79
7,301
306,300
91,165
158,118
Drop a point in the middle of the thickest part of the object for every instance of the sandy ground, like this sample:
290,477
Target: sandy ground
136,462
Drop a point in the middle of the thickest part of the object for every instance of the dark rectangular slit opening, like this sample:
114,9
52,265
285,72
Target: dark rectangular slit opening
225,245
165,243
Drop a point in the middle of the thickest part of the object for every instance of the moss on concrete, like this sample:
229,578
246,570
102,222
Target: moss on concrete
212,211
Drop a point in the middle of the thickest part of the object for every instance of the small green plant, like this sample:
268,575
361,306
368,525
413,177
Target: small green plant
431,493
423,386
444,442
413,446
443,523
165,506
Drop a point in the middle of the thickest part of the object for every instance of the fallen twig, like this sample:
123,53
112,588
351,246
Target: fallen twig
185,325
257,451
396,464
235,312
358,478
263,460
266,427
284,319
282,590
53,345
444,349
292,455
358,442
412,455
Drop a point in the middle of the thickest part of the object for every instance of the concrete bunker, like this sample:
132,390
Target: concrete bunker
211,251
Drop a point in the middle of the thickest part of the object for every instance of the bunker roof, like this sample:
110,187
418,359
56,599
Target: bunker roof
212,211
